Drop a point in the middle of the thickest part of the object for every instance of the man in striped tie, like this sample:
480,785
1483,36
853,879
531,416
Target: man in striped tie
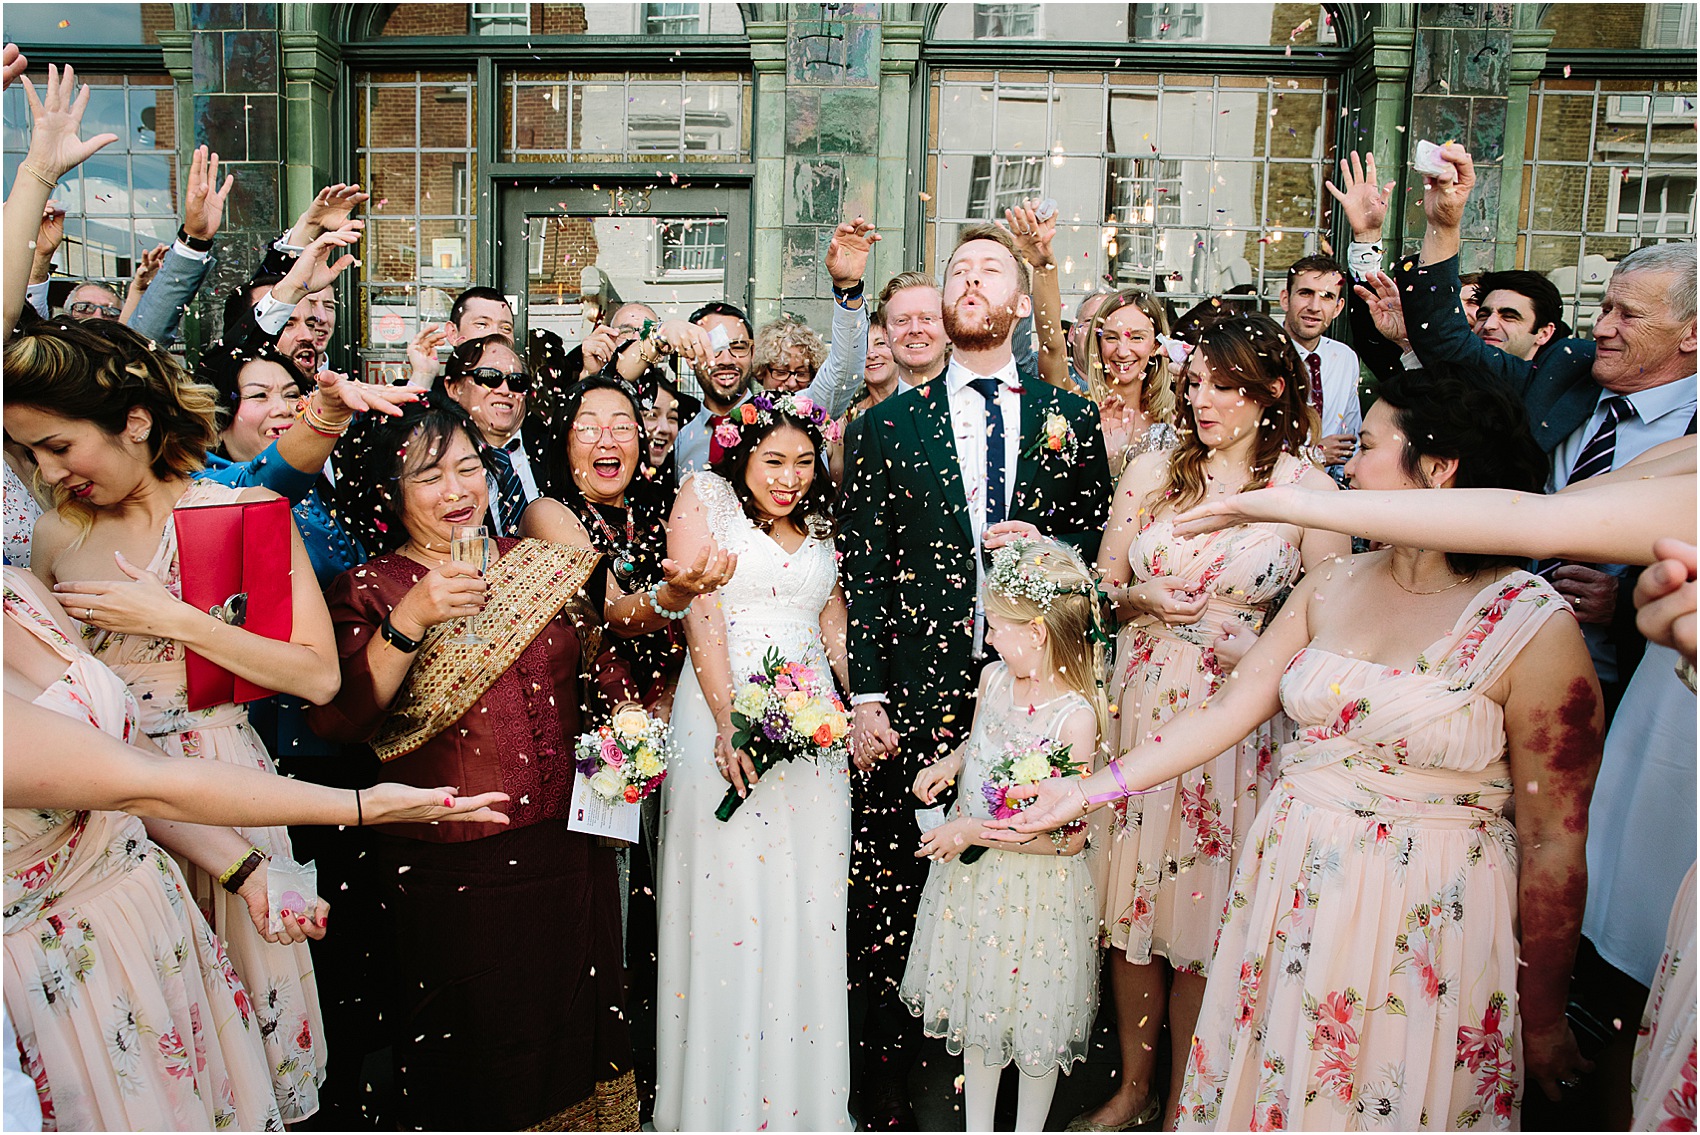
1595,406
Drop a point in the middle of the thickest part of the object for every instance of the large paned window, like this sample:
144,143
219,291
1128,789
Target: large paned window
584,116
1260,25
123,200
417,151
1191,185
1610,166
482,18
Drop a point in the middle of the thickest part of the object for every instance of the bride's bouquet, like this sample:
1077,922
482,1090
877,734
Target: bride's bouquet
1022,763
626,760
784,712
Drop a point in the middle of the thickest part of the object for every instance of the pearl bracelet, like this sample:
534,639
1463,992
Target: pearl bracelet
654,594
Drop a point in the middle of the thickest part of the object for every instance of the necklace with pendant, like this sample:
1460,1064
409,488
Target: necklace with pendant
625,563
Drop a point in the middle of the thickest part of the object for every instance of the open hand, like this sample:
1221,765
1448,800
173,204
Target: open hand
13,62
1386,307
339,395
1364,204
390,803
1033,237
847,255
710,571
57,113
203,199
314,270
147,268
330,209
1052,802
422,353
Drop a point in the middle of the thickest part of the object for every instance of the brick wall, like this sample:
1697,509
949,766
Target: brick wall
1578,26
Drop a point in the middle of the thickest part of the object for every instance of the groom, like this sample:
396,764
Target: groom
952,469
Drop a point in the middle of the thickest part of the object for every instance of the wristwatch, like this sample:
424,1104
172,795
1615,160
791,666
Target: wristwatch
395,638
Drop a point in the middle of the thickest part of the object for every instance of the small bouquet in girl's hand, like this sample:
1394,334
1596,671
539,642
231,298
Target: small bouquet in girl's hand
784,712
1023,764
619,764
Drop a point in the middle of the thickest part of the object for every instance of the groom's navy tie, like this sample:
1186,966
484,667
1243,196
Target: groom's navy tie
988,389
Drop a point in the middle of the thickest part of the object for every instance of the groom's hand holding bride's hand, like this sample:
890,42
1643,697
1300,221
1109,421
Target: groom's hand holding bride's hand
871,735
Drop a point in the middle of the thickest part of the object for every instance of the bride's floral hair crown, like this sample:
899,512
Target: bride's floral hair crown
759,411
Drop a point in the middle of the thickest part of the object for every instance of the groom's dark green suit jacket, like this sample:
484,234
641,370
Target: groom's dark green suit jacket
908,568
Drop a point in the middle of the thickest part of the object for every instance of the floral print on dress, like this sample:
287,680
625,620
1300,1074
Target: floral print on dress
1378,893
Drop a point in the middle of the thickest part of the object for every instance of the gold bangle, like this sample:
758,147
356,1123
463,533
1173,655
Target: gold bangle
51,183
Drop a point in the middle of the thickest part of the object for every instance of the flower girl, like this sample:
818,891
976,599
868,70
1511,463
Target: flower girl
1005,961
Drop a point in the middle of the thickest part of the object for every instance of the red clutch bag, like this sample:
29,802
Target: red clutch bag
233,562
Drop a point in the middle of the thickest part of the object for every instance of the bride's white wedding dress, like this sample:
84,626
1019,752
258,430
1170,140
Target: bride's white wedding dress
753,1028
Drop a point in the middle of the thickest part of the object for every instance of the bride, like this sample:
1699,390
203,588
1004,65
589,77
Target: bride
754,1030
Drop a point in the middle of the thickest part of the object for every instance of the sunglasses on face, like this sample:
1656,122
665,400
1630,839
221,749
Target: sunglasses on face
490,378
84,308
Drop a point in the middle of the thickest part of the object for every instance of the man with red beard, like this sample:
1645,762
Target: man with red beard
959,465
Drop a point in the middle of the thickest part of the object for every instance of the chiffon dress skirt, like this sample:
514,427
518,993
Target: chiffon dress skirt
129,1015
1170,854
279,977
1366,974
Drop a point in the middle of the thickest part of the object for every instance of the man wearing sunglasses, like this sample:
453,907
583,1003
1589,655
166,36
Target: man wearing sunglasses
488,378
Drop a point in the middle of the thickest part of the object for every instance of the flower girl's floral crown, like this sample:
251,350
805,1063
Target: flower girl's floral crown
1010,577
759,411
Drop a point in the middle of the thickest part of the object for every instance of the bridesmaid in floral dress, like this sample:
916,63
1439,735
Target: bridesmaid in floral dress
1191,607
116,430
1395,951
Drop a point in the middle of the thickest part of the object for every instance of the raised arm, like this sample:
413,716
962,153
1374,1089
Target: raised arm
1033,238
835,384
55,150
161,308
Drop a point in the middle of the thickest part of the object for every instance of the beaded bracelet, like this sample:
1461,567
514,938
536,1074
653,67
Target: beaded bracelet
654,594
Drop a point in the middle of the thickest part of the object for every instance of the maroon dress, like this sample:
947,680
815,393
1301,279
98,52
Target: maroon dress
507,991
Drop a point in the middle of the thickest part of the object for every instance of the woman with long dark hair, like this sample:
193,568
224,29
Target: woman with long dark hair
1189,609
754,1026
507,941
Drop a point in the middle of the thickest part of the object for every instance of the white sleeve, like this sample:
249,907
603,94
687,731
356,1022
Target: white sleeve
1362,259
271,314
36,294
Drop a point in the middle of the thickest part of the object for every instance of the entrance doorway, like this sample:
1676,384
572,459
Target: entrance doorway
585,250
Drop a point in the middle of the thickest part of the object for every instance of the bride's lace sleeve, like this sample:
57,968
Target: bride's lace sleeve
721,508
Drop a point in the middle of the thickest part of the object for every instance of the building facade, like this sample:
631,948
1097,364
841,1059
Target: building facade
574,155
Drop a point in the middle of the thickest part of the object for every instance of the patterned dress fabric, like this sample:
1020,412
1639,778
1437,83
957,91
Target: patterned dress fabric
1366,973
1005,954
1171,851
279,977
1663,1081
129,1014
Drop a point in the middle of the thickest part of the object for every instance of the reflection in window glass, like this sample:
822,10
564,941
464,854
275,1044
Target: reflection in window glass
86,24
1261,25
417,156
586,117
1610,167
1191,185
1622,27
123,200
440,19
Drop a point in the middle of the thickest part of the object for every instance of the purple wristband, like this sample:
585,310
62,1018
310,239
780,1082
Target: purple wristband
1121,782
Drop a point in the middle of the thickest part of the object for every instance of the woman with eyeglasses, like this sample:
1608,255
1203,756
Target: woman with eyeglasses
507,1008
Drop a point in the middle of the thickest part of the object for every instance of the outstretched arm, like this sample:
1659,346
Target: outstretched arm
1602,523
1033,237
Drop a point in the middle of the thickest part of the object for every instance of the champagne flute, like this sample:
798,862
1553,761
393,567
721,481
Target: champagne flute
470,544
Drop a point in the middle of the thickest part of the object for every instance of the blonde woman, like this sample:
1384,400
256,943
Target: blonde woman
1128,376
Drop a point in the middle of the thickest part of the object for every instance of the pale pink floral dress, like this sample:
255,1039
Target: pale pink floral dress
1366,973
129,1014
1171,850
1663,1082
280,977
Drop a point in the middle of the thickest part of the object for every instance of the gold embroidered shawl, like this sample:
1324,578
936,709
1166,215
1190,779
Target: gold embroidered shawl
528,586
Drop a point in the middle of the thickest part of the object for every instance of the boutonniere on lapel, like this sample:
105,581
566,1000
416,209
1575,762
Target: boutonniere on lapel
1057,436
